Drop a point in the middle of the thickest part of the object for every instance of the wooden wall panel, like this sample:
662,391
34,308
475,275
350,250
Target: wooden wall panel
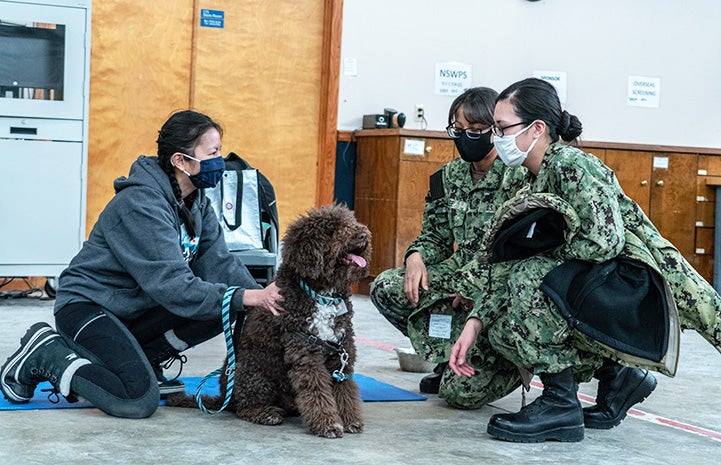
139,75
260,77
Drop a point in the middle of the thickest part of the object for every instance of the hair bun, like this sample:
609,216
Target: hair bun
570,127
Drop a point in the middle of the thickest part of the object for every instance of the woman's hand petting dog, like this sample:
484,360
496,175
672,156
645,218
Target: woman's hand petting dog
268,299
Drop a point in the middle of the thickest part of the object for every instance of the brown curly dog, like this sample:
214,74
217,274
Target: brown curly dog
302,361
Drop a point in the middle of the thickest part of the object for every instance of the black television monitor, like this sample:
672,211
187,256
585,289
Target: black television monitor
32,57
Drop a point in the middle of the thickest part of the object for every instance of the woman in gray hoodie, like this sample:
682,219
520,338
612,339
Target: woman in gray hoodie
148,283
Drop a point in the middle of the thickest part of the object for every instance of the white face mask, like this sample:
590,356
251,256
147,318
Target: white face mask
508,151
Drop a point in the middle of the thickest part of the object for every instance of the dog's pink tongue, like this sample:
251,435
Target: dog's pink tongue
358,260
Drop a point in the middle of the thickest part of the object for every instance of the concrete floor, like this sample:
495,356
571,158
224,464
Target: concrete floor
678,424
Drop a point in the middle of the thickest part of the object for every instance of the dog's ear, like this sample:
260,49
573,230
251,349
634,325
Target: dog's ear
303,249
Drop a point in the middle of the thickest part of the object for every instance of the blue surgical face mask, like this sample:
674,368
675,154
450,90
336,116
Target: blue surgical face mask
211,170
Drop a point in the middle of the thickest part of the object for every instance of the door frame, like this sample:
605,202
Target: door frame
329,85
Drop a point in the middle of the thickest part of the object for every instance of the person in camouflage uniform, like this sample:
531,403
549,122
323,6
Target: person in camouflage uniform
462,198
528,329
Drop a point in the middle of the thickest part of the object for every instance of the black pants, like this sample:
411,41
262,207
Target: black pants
120,380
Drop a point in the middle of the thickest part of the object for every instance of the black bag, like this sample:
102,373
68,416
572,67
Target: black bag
535,232
620,303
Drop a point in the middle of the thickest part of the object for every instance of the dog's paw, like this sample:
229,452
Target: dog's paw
271,420
331,431
269,416
354,427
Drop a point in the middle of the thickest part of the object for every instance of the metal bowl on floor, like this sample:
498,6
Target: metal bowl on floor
409,360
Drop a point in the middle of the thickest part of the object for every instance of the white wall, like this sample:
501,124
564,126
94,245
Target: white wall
598,43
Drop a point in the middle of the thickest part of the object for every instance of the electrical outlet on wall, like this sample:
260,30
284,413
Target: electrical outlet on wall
420,113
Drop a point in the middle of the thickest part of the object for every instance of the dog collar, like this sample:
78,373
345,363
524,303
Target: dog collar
321,299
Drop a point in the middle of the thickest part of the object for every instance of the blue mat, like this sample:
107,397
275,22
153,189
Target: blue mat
371,390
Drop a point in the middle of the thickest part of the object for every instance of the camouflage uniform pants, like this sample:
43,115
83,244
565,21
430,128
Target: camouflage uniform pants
495,376
532,333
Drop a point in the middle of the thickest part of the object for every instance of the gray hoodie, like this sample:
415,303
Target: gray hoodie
134,259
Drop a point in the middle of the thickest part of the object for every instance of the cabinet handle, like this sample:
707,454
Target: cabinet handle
429,148
659,183
644,182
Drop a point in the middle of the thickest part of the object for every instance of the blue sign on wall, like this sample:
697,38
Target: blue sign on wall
212,18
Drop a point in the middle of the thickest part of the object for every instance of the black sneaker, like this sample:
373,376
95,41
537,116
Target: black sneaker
168,386
430,384
14,390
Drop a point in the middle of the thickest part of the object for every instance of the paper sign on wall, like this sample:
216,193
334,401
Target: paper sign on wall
350,66
644,91
558,79
453,78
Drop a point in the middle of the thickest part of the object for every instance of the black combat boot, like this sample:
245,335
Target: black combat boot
43,355
619,389
430,384
554,416
161,355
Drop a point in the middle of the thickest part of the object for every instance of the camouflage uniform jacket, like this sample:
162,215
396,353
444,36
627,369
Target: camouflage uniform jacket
457,212
610,224
455,220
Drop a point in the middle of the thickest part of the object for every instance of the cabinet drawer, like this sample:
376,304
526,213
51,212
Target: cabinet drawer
704,241
427,150
705,214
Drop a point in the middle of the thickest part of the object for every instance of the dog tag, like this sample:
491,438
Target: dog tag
341,309
440,326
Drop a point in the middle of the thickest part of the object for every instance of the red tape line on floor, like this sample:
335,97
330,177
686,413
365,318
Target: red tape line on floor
655,419
640,414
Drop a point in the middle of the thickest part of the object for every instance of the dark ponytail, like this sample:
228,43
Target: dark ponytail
535,99
181,133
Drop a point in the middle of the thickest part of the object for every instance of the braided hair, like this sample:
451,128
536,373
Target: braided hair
181,133
535,99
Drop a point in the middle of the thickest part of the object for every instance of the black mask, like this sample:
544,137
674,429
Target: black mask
474,149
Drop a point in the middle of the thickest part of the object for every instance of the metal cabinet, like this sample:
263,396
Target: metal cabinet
44,86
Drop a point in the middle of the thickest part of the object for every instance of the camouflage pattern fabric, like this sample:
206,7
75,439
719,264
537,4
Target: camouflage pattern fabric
495,376
459,219
453,228
531,332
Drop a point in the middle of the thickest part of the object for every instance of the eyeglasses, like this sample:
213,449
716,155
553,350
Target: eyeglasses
498,130
199,160
471,133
